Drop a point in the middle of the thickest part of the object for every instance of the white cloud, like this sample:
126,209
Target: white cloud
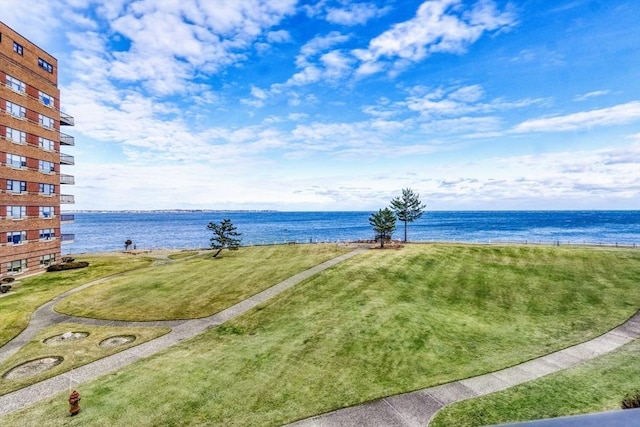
318,45
439,26
213,38
593,94
619,114
280,36
355,13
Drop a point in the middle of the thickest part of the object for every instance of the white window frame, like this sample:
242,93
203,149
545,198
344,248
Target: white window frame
46,122
51,187
18,48
46,144
22,237
46,212
46,166
11,184
47,260
15,84
46,99
45,65
47,233
16,110
15,161
16,212
16,135
13,269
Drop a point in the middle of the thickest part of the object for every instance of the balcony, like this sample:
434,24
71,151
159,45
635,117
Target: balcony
68,199
67,139
67,238
66,159
67,218
67,179
66,120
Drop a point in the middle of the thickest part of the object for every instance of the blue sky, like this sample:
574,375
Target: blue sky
338,104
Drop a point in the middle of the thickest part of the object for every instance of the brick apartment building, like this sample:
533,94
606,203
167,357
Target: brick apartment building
30,157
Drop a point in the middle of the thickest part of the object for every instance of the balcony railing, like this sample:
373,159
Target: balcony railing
66,159
67,199
66,119
67,238
67,139
67,179
67,218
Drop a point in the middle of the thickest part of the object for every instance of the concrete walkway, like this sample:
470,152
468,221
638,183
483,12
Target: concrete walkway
418,408
181,329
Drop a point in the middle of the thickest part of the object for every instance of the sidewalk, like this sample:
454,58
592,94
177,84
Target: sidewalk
418,408
181,329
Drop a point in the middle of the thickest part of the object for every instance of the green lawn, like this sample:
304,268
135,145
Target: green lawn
32,292
382,323
75,353
595,386
195,287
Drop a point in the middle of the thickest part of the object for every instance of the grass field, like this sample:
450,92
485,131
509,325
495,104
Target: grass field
195,287
597,385
75,353
32,292
379,324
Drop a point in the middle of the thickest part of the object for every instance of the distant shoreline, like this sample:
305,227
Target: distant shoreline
278,211
173,211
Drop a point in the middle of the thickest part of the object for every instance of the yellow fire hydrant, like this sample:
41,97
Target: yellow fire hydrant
74,404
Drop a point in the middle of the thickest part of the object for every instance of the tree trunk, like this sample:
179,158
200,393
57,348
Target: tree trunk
405,231
216,254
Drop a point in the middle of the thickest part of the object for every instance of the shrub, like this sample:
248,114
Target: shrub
68,259
7,280
631,400
68,266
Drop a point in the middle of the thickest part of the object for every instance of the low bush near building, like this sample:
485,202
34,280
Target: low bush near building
631,400
68,266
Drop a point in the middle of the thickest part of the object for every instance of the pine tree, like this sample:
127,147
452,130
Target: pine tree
384,224
224,236
407,207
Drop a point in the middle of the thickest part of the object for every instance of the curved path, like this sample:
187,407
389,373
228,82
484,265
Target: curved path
180,330
419,407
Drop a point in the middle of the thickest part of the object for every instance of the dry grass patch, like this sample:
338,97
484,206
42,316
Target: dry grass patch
75,352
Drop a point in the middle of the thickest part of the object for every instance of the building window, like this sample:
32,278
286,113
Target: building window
45,99
17,187
16,135
47,260
17,48
46,144
15,267
16,237
16,110
45,65
16,84
46,167
47,234
47,189
16,212
16,161
46,211
45,121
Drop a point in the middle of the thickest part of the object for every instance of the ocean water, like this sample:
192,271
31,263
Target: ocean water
107,231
